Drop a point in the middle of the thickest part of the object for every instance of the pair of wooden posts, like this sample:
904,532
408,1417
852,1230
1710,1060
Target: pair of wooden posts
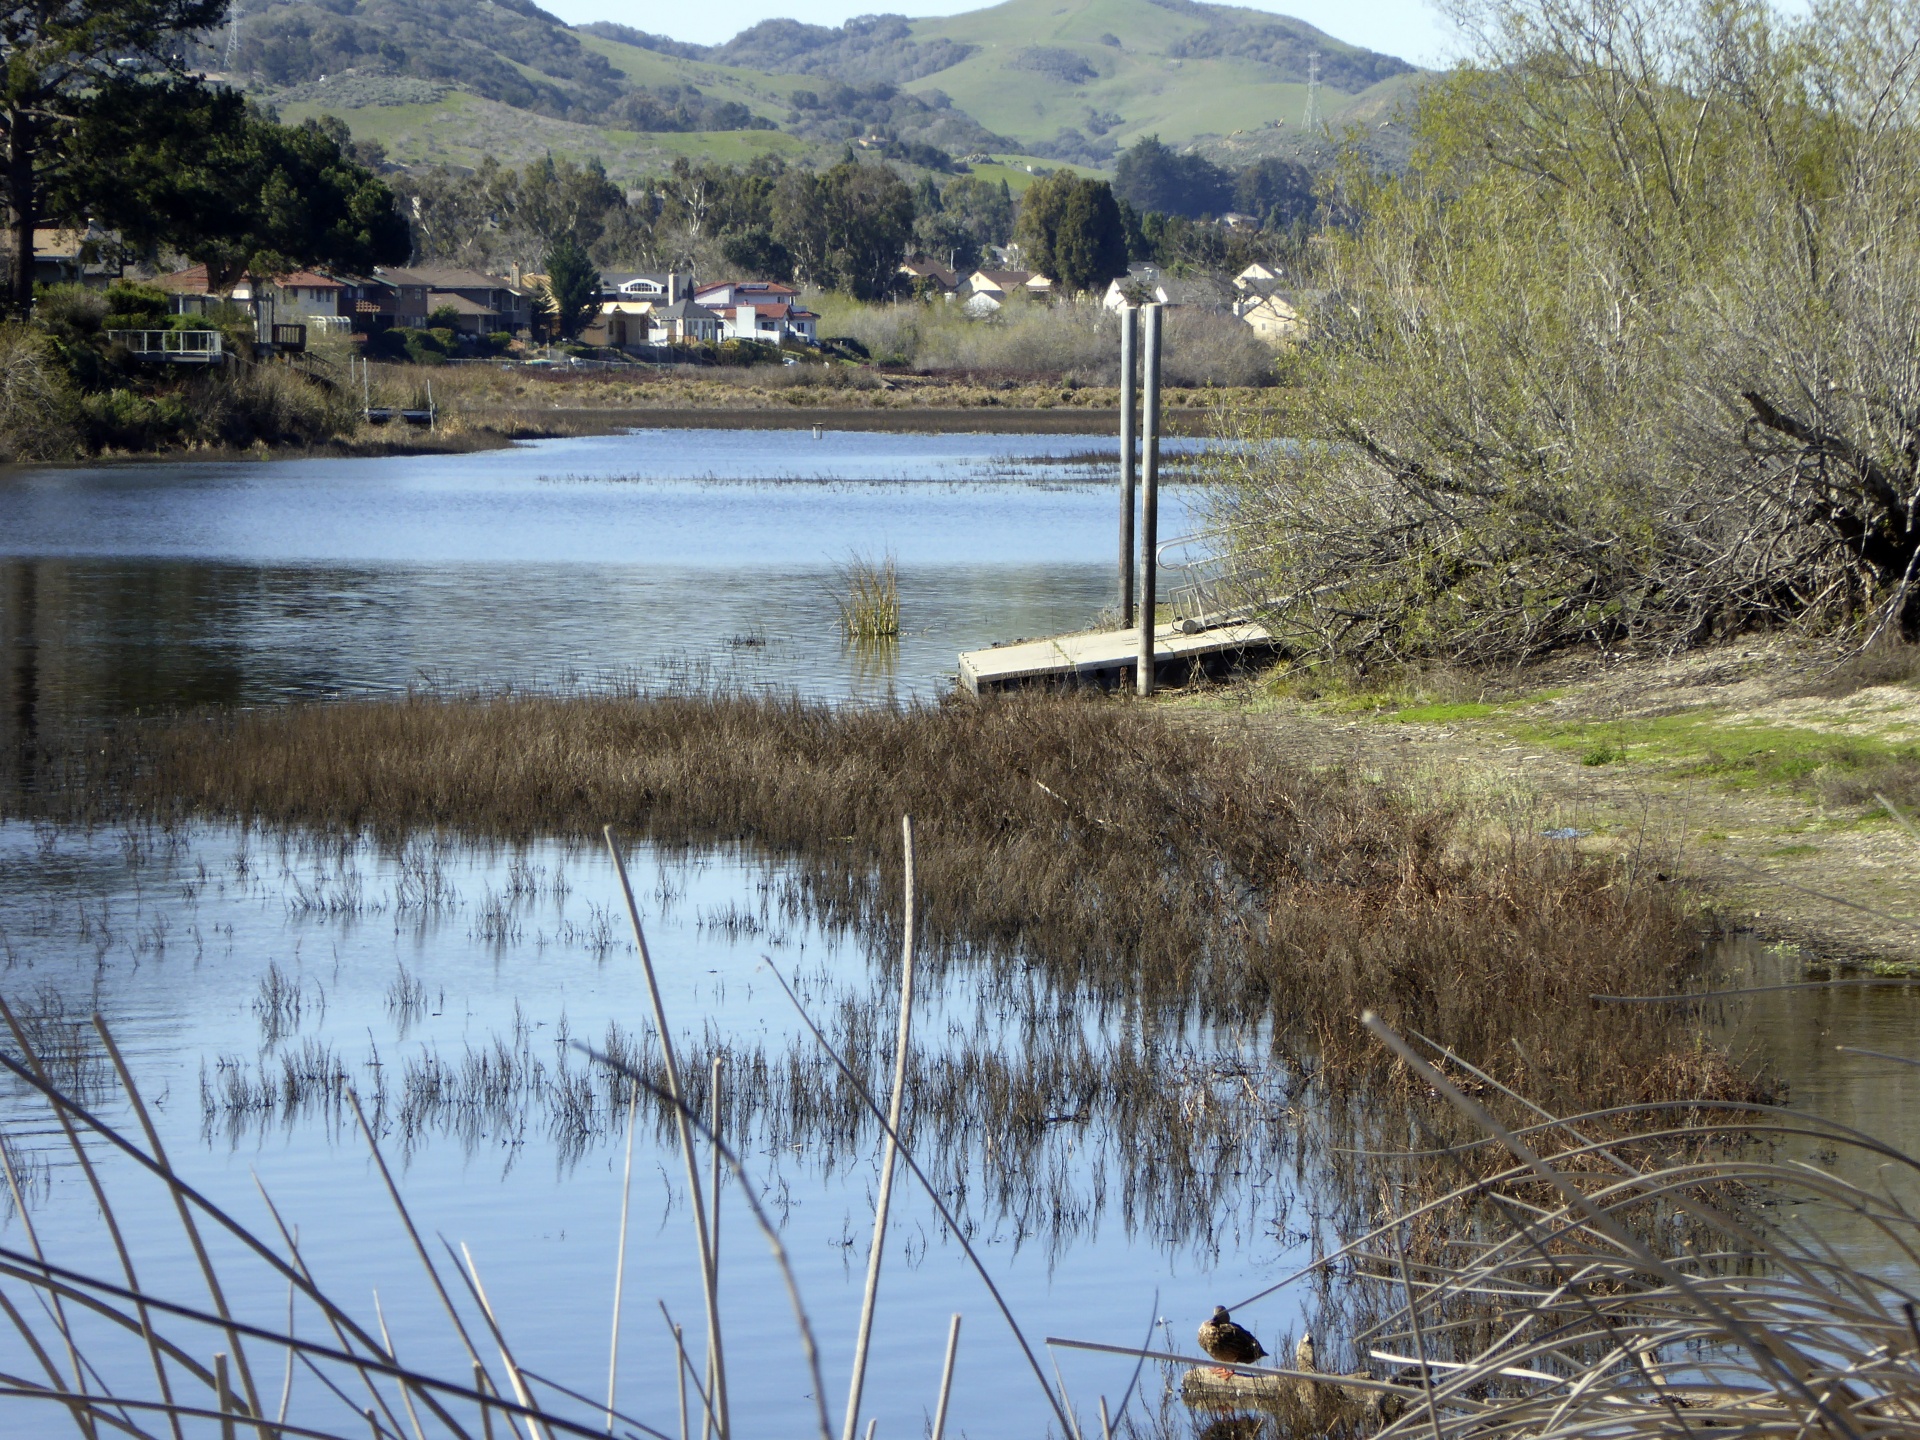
1140,369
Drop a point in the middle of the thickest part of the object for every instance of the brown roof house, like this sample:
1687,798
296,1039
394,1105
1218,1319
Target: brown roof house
923,277
483,303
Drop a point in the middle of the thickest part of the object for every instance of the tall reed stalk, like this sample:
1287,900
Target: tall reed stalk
869,599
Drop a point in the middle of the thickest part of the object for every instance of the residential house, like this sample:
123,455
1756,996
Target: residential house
763,310
1198,292
621,324
74,257
369,303
308,298
988,290
1003,284
1147,285
192,294
772,322
1133,288
483,304
749,292
1277,316
687,322
924,277
631,286
1257,275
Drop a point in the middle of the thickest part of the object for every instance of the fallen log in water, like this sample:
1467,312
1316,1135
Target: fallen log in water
1323,1398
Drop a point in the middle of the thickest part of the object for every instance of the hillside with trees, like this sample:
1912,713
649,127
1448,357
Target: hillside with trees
1077,82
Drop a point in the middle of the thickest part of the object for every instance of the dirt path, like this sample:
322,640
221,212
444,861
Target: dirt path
1751,768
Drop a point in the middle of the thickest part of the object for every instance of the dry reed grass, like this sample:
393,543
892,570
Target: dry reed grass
1606,1275
1143,865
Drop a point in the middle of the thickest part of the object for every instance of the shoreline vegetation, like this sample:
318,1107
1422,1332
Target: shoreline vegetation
488,408
1091,837
67,391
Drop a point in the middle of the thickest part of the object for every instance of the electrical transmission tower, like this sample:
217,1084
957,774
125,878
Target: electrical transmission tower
1310,121
233,39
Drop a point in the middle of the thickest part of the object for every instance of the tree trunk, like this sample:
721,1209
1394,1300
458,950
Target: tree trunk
23,201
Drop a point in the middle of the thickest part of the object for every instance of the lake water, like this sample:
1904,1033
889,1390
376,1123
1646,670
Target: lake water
667,555
452,985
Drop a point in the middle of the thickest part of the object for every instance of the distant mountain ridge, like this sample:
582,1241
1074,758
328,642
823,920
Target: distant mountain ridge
1072,80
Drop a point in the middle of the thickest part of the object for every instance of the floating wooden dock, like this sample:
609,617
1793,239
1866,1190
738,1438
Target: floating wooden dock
1109,657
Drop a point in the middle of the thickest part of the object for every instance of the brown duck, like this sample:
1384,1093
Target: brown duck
1227,1342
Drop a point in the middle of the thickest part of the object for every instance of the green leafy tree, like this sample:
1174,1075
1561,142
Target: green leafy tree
1280,193
960,221
1149,176
756,255
573,287
178,164
557,200
846,228
1090,246
1071,230
55,56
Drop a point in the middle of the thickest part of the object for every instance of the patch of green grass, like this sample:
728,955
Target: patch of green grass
1705,744
1792,852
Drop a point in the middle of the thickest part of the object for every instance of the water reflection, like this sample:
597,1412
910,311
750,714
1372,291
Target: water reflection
251,977
709,558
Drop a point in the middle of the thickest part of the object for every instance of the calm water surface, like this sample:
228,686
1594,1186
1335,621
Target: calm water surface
668,555
705,555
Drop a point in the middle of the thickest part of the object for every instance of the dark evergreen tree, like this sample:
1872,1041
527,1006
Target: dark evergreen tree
1090,247
573,287
58,54
179,164
1152,177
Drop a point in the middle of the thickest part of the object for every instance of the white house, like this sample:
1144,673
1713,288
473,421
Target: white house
1277,316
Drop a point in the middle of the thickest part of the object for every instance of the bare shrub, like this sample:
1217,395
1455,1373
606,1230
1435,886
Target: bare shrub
38,407
1082,340
1210,347
1553,401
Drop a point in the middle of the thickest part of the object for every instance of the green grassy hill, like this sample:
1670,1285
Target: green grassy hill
462,129
1121,69
1033,83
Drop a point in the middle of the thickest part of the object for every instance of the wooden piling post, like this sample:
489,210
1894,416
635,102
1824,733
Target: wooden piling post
1129,383
1149,491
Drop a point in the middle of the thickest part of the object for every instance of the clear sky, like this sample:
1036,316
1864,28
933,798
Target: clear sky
1411,29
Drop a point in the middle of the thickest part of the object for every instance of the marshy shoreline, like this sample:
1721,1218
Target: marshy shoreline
1208,878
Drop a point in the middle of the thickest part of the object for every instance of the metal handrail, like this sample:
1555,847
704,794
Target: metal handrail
1219,584
200,345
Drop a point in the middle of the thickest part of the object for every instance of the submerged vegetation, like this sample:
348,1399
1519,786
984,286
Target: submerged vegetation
1134,860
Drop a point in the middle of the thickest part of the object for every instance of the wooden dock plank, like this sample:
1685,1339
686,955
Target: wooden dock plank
1101,656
